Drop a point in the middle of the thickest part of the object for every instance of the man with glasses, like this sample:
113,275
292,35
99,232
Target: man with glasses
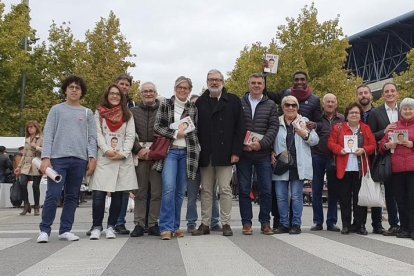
220,132
260,117
149,179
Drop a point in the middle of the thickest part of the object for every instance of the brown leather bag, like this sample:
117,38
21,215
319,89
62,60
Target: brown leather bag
159,148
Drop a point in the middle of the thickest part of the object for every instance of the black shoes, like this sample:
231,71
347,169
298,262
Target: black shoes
138,231
403,233
345,230
378,230
392,231
295,230
317,227
362,231
281,230
332,228
202,230
120,229
154,230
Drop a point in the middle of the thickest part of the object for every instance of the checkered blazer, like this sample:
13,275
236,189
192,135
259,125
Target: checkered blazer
163,119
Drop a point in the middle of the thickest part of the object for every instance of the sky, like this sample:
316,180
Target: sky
189,37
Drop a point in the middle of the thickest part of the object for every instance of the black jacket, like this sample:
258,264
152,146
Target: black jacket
265,122
220,128
378,121
324,129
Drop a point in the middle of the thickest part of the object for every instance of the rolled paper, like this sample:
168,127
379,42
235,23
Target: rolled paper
51,173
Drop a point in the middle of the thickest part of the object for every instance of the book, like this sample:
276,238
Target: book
251,137
114,140
350,143
300,123
400,135
185,124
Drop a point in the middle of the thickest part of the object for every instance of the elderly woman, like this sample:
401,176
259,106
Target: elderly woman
351,165
296,141
402,161
115,170
26,170
182,159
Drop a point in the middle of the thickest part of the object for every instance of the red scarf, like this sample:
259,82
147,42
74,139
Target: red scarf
113,117
301,95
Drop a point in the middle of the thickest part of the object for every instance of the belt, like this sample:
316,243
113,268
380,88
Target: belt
177,147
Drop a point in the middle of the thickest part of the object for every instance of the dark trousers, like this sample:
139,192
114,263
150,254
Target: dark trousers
348,199
24,179
403,184
275,210
98,208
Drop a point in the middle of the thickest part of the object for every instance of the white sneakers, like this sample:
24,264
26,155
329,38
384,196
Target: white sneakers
110,233
68,236
95,234
43,238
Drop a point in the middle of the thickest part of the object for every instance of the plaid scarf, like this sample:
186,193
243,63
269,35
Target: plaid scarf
301,95
113,117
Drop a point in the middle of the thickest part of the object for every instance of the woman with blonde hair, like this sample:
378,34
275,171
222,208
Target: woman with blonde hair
26,170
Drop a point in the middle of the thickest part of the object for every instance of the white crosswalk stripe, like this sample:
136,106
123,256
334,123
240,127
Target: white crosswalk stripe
351,258
9,242
401,242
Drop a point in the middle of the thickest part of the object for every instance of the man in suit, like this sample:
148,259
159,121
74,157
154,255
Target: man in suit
381,120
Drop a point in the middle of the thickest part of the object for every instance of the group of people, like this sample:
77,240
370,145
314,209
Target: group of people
290,125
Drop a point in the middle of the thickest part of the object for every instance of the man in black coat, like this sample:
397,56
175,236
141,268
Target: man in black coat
381,120
220,132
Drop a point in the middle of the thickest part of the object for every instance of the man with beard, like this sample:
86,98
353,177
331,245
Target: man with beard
220,132
364,97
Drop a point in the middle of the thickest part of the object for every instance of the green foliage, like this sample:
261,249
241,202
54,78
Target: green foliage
405,81
303,44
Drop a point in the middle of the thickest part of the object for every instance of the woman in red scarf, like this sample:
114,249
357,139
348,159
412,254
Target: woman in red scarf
115,171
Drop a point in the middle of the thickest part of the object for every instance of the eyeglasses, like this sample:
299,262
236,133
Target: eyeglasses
256,82
74,87
114,94
354,113
149,91
182,87
214,80
292,105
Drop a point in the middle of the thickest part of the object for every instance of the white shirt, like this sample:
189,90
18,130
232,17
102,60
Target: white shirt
178,112
254,103
392,113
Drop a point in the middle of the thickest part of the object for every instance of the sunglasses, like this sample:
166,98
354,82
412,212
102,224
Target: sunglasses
290,105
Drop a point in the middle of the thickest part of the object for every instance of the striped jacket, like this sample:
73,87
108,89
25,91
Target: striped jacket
163,119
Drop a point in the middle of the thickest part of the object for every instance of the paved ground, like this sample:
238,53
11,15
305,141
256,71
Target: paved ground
311,253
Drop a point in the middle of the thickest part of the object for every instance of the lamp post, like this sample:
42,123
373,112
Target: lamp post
24,78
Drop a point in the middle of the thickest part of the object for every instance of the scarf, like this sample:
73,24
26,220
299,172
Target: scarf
301,95
113,117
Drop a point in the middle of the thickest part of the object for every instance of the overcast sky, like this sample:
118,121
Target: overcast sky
189,37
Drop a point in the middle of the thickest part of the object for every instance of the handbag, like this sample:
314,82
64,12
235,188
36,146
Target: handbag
135,147
15,194
159,148
371,193
284,162
381,167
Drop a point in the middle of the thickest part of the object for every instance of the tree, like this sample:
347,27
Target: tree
303,44
405,81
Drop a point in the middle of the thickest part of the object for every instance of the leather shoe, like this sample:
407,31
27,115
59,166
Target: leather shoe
281,230
120,229
154,230
378,230
138,231
345,230
403,234
317,227
392,231
333,228
266,230
202,230
362,231
294,230
247,229
227,230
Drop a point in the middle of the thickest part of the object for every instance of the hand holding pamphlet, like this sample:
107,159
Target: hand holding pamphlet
252,137
350,143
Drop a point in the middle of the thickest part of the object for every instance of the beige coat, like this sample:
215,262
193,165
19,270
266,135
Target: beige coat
114,175
29,153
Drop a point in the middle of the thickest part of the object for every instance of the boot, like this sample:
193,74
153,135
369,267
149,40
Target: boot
26,209
36,210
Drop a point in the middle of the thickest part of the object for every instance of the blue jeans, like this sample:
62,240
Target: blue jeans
124,206
320,166
72,170
282,195
192,192
98,208
174,185
264,181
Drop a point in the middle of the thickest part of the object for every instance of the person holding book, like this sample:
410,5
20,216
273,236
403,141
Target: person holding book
115,170
296,142
182,158
260,117
221,133
350,166
26,170
69,146
402,164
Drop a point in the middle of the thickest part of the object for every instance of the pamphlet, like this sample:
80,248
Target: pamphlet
252,137
185,124
350,143
114,140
